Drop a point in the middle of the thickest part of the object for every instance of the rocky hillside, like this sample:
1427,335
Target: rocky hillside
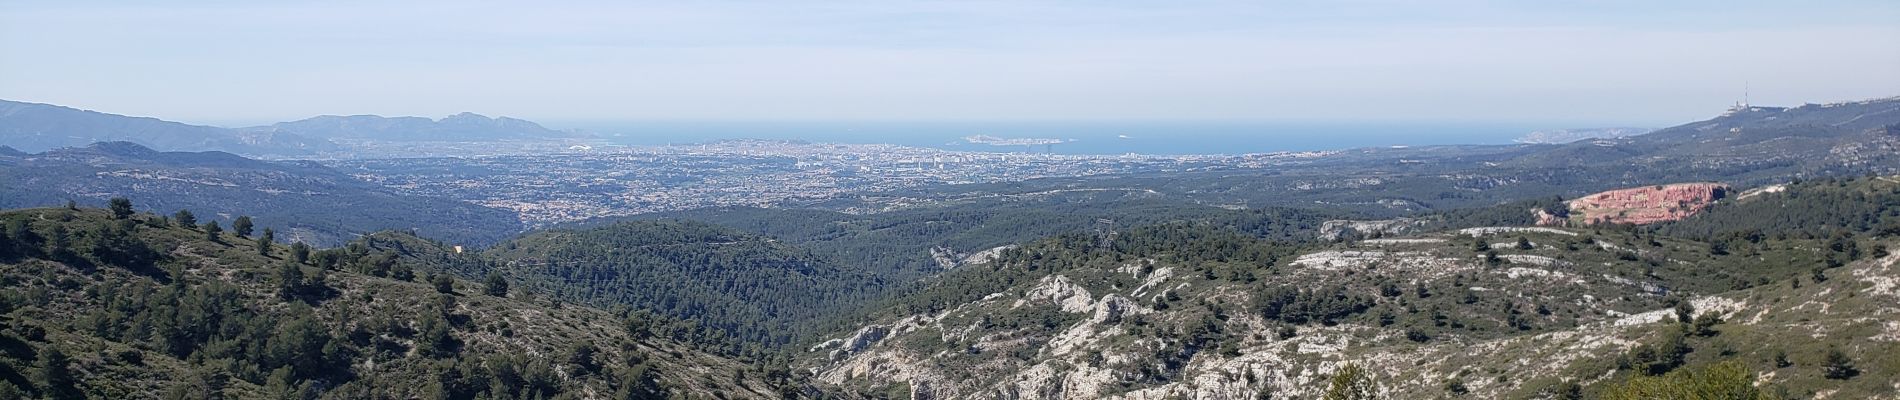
132,307
1645,205
1192,311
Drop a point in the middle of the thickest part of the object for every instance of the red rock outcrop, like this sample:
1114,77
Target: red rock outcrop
1646,205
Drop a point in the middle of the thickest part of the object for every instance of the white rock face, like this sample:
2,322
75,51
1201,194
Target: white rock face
1521,272
1721,306
1882,275
858,342
1057,289
1512,229
1399,241
1418,265
1537,260
1336,229
1761,191
986,255
1108,312
1154,279
948,258
1100,353
1337,259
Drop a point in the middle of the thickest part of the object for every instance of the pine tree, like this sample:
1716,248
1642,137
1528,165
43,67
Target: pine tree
241,226
21,233
495,285
289,281
213,232
582,358
402,272
264,242
282,384
443,283
206,382
121,207
436,341
1837,365
58,242
6,245
56,375
299,252
185,219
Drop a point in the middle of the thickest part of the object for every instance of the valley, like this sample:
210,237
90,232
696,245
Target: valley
760,269
949,200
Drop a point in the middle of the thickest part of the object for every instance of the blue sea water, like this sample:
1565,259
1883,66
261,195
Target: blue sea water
1086,137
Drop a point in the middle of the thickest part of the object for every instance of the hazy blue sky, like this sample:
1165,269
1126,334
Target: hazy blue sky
1637,62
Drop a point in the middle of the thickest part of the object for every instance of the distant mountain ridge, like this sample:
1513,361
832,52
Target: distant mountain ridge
35,127
459,127
1755,123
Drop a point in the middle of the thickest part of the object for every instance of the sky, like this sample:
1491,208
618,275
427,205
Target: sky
1643,63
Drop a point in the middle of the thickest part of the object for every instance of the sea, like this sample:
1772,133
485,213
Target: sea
1077,137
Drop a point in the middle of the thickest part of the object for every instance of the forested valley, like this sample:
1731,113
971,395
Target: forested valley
129,304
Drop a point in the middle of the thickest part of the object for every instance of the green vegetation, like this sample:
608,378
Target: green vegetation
241,226
1726,380
163,306
900,245
495,285
741,294
317,204
1444,313
91,310
1350,383
1810,209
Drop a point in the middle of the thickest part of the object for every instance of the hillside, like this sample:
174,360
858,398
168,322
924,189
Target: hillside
1184,310
908,244
1807,209
1644,205
1422,269
37,127
747,293
102,307
307,201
